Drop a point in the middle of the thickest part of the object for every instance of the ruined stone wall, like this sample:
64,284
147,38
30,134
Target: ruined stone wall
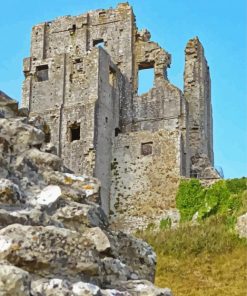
107,125
198,94
65,98
145,176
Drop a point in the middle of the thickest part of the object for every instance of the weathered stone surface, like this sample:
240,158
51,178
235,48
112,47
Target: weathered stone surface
202,167
25,216
43,160
9,192
14,281
53,287
144,288
241,226
18,135
73,187
49,250
140,252
49,195
77,216
8,106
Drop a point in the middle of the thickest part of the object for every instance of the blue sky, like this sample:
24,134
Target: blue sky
220,25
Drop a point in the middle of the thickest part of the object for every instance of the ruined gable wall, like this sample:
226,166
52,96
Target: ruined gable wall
198,94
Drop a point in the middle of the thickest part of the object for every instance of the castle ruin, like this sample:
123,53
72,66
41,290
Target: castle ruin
82,78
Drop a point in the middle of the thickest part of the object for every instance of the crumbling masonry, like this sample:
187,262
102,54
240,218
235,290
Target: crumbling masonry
82,78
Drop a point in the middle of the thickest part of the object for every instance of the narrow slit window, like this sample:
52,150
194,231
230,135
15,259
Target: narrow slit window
75,132
47,132
48,137
42,73
112,77
117,131
147,148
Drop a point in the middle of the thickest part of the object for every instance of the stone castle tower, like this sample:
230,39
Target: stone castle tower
82,78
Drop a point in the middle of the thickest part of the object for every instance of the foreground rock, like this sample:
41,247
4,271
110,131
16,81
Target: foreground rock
54,238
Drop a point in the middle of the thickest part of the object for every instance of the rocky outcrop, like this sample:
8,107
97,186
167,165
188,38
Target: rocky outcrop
54,238
8,106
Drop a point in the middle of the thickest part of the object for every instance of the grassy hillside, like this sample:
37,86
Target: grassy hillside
205,257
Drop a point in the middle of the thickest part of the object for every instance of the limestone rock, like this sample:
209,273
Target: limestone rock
43,160
241,226
80,187
144,288
8,106
52,287
19,135
14,281
134,251
9,192
80,289
49,195
77,216
49,250
25,216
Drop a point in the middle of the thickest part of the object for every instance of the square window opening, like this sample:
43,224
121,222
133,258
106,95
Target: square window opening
42,73
99,43
74,132
147,148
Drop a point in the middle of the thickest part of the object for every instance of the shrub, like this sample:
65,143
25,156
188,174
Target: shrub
189,198
225,197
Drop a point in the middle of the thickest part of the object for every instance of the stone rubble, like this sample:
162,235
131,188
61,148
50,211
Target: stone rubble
54,238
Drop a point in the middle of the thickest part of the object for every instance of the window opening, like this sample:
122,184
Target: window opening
145,78
42,73
147,148
74,132
194,174
112,77
117,131
47,137
99,43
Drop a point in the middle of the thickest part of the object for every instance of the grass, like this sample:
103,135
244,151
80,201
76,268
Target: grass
205,274
195,260
205,257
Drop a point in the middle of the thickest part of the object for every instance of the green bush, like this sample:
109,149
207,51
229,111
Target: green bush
225,197
236,185
189,198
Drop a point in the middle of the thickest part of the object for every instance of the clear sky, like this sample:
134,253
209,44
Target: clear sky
220,25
